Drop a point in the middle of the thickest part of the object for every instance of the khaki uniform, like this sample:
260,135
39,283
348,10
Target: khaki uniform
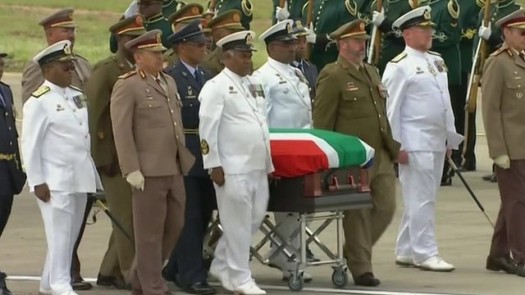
503,110
32,76
352,101
213,63
149,137
119,255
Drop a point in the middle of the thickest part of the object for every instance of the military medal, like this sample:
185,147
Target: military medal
253,90
438,66
79,101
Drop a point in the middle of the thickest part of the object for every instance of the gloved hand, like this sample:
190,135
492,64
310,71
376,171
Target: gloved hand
502,161
136,180
311,37
484,32
281,13
378,17
209,11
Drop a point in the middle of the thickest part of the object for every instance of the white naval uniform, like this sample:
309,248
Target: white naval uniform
422,120
56,151
288,105
234,135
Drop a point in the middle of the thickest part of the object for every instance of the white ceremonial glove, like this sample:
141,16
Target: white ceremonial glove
378,17
136,180
281,13
209,11
484,32
502,161
311,37
132,10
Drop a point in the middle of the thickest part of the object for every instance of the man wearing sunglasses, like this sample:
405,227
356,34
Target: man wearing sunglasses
56,153
503,110
58,27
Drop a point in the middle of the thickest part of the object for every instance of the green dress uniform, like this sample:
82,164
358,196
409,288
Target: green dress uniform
328,16
469,23
498,10
445,41
392,42
171,6
244,6
295,8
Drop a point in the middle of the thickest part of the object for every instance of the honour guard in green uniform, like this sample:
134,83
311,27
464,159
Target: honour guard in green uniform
180,20
468,21
292,10
222,25
493,35
244,6
328,16
113,272
392,42
445,41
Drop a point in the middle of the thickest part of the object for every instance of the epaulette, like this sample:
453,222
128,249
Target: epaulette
127,75
351,9
399,57
247,7
480,3
502,49
41,91
434,53
76,88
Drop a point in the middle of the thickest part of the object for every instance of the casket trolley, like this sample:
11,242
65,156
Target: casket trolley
315,193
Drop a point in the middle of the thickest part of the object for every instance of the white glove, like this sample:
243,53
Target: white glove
311,37
378,17
136,180
502,161
209,11
132,10
484,32
281,13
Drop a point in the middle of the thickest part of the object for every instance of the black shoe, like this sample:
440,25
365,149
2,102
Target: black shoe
490,177
447,181
3,286
79,284
201,288
505,264
310,257
520,270
111,281
367,279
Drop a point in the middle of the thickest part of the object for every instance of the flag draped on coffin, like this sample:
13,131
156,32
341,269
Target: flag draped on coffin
298,152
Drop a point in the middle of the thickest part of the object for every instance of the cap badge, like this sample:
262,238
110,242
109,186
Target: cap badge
299,24
288,28
236,18
427,15
361,26
70,15
195,10
158,38
139,21
249,39
67,49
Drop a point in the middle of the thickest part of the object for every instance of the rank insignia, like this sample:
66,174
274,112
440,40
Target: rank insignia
100,135
350,86
205,149
190,91
519,95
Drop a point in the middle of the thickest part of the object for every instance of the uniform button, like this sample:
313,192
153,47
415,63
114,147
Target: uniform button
10,143
176,137
9,127
74,110
174,124
379,116
80,123
168,99
171,111
382,129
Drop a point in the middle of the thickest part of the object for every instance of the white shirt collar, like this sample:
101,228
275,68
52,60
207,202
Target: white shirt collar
190,68
412,51
54,87
280,66
234,76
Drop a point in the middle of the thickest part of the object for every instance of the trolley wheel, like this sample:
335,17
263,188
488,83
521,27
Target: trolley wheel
295,282
339,277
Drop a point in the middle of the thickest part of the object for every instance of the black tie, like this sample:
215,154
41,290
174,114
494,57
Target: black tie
198,77
301,67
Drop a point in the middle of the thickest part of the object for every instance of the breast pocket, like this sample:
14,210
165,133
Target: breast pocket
514,90
356,103
150,103
190,112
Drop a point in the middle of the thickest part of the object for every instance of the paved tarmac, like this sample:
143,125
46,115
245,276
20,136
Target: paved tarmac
463,236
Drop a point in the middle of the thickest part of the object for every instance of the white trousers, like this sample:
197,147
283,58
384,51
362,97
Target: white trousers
62,216
420,181
242,202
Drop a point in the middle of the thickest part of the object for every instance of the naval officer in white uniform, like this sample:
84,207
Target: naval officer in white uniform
235,146
288,105
58,163
421,117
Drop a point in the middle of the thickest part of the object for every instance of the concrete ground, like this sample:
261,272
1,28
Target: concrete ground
463,235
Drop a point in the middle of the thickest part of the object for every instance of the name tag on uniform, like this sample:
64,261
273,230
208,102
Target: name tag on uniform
350,86
231,90
419,70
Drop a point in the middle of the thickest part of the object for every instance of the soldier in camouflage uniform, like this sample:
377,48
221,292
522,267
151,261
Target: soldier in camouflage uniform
499,9
445,13
244,6
468,20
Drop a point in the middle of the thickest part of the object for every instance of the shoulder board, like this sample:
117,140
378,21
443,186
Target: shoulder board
399,57
434,53
127,75
501,50
75,88
41,91
351,7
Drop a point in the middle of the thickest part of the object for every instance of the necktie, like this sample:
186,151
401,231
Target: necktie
2,100
300,67
198,77
160,84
